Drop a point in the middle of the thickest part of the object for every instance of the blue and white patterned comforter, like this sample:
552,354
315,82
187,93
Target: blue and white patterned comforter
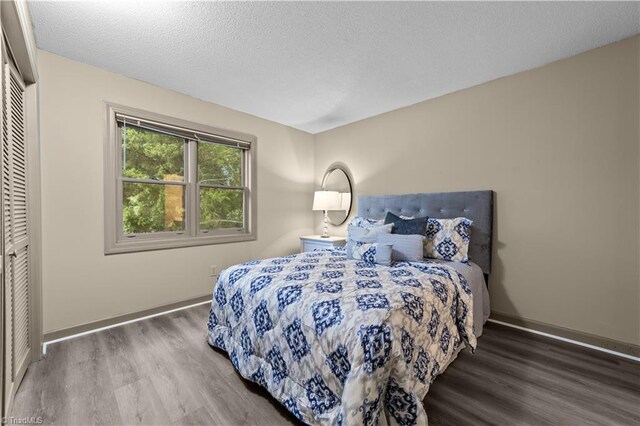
340,341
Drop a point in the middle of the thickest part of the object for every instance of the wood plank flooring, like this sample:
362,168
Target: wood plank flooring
161,371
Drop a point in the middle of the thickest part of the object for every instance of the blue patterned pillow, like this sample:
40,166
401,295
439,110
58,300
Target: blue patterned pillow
372,253
412,226
448,239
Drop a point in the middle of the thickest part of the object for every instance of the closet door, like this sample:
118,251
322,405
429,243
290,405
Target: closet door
16,234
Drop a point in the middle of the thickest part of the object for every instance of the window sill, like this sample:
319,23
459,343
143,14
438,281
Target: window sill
129,246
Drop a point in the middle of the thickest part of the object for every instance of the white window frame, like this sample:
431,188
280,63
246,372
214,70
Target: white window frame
115,239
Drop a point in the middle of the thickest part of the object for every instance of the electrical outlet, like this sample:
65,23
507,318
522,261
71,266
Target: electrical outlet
213,271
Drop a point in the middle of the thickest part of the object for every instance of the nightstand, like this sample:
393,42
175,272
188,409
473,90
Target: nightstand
314,242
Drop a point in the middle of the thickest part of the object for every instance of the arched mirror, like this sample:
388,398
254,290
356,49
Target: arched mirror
337,179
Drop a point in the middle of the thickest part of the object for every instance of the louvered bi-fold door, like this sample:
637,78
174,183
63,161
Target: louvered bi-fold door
16,233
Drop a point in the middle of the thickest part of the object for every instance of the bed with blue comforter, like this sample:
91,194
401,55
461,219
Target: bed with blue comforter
341,341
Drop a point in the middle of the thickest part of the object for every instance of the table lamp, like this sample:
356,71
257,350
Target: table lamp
325,201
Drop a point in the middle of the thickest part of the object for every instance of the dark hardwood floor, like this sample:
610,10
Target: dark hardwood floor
161,371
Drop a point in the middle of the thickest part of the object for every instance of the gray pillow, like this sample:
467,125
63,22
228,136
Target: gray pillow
405,247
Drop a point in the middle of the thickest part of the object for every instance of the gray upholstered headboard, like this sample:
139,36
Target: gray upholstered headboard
474,205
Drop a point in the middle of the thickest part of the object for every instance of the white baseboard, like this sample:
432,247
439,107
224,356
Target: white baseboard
506,324
564,339
95,330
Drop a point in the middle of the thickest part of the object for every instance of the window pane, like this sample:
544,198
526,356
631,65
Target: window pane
221,208
151,155
219,164
152,208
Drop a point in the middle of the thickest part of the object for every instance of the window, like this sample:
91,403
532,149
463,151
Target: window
171,183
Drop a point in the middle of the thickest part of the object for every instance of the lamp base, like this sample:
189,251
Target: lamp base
325,226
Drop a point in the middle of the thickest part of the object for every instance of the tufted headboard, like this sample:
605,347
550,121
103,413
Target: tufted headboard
474,205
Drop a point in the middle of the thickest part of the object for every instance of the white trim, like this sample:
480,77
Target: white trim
18,29
506,324
84,333
22,10
564,339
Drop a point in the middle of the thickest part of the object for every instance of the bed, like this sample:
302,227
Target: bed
341,341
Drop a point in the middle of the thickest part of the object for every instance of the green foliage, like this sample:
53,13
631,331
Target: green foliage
149,207
144,208
151,155
219,165
220,208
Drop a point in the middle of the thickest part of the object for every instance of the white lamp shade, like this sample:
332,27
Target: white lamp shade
345,201
326,200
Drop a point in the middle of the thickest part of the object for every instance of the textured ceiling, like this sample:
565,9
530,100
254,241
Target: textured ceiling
315,66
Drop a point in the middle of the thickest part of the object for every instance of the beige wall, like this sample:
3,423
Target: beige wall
80,283
560,147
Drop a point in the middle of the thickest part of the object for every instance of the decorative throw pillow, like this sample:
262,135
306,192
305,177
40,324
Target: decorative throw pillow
404,226
404,247
364,235
372,253
363,222
448,239
372,231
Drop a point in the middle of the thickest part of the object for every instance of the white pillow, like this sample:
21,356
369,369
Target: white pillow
363,222
364,235
372,231
448,239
